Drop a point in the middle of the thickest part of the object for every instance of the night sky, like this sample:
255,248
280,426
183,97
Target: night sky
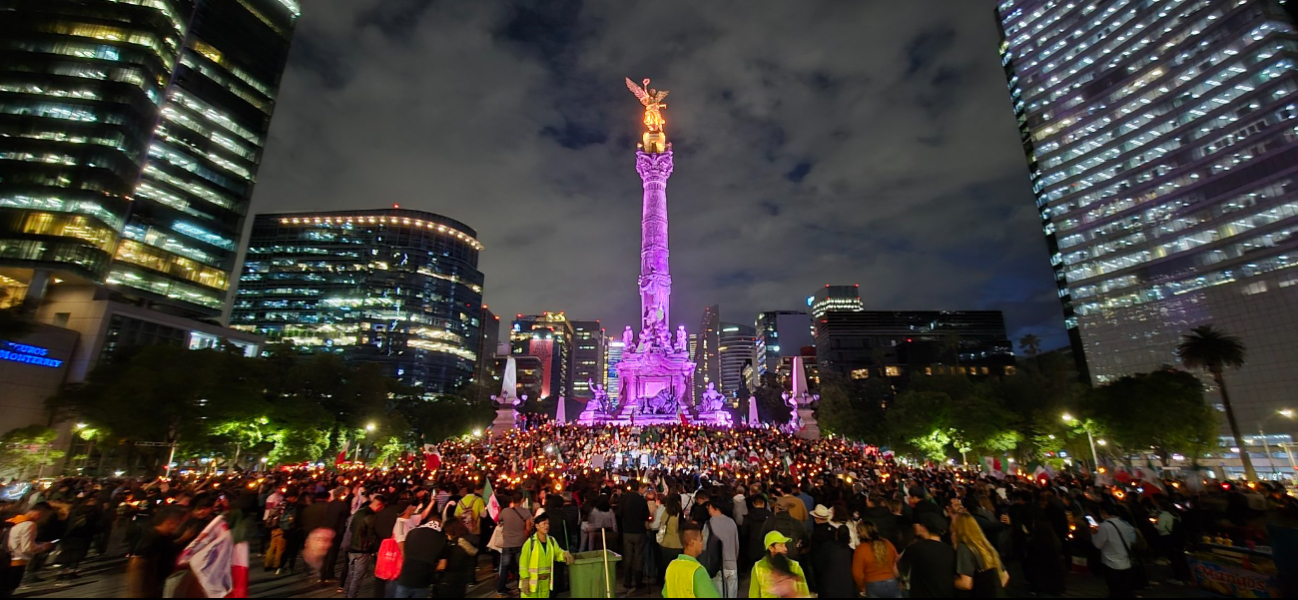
816,142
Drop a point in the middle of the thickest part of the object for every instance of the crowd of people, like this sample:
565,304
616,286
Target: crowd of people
690,512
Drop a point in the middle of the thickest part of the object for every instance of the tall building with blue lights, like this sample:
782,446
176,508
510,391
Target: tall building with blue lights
130,137
131,132
394,287
1163,153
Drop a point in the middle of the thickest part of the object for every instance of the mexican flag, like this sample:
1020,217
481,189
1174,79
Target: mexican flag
1043,472
992,466
342,453
493,503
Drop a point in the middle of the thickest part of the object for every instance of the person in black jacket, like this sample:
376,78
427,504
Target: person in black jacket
336,513
461,558
832,557
753,530
425,554
365,543
635,514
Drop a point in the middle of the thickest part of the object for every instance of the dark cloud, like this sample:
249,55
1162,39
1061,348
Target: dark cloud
816,142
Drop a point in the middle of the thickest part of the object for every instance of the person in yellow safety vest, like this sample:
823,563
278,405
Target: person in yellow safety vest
776,576
536,564
686,577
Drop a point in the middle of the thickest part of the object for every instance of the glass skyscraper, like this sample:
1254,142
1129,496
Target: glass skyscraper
780,334
130,136
1162,150
395,287
735,349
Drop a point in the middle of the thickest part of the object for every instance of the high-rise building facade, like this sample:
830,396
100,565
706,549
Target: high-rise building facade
549,337
130,137
1163,154
904,344
395,287
615,349
589,356
736,347
835,297
707,358
488,342
781,333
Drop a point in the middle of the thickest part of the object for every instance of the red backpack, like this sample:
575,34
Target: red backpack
389,563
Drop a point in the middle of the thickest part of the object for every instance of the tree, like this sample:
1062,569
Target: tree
27,448
771,407
854,408
1163,410
1030,345
944,413
1212,350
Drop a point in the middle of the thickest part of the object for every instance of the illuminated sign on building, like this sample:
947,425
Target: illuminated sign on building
32,355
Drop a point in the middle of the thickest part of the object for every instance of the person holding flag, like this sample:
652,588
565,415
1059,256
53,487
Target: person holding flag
537,564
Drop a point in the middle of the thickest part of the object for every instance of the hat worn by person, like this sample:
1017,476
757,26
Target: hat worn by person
821,512
776,537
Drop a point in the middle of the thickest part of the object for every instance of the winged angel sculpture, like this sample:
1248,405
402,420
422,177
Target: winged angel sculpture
653,104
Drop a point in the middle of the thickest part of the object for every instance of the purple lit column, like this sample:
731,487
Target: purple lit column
655,274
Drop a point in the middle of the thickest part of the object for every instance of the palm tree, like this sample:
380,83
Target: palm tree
1212,350
1030,345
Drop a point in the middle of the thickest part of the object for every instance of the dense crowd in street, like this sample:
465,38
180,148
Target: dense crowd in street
690,512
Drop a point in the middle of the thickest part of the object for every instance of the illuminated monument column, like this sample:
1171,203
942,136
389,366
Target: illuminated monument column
655,376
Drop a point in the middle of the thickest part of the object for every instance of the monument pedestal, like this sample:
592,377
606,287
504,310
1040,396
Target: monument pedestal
809,430
720,418
506,420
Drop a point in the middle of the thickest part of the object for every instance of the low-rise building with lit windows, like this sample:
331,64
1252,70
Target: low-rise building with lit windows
395,287
900,345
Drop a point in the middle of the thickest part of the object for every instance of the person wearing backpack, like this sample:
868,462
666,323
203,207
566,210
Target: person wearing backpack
21,546
1115,538
469,510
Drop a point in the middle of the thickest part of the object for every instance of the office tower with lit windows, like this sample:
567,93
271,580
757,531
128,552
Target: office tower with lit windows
736,345
589,356
835,297
707,359
130,136
900,345
615,349
488,342
549,337
780,334
394,287
1163,154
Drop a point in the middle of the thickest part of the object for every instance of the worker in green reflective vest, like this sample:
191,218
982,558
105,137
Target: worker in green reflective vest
536,565
686,577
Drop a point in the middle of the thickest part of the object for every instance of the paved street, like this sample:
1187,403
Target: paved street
105,578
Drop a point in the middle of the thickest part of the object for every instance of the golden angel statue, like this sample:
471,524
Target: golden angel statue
653,104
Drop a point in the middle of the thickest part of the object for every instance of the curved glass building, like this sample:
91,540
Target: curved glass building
398,288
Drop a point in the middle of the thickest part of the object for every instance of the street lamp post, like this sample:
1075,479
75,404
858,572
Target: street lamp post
1270,460
1095,457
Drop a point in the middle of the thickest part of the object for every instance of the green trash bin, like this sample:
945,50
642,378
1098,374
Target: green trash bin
586,574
